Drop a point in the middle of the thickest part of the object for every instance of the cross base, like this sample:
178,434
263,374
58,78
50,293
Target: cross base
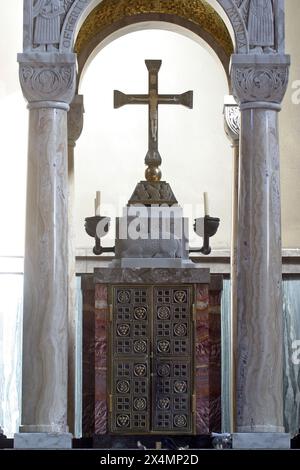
153,193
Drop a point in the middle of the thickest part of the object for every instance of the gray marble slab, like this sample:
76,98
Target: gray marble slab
43,441
153,263
261,440
152,276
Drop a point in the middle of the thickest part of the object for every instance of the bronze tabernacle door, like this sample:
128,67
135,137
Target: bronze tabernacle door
152,360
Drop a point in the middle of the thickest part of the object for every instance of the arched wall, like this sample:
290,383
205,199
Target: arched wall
81,8
104,35
107,35
112,19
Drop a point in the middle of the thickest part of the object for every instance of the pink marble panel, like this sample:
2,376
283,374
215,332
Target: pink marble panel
208,363
88,359
101,325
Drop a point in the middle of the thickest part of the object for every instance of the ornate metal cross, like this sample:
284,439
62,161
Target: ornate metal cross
153,99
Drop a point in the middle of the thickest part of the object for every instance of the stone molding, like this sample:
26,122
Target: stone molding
232,120
46,78
75,120
259,81
66,17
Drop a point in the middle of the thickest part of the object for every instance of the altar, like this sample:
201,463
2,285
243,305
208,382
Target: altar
156,331
151,335
172,352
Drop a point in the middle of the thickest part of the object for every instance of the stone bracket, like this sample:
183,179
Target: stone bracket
75,119
48,77
232,119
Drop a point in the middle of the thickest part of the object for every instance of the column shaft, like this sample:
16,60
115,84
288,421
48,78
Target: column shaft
45,330
233,276
259,368
75,125
232,129
71,295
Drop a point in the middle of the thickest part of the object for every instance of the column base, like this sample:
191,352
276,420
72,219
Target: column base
261,440
43,440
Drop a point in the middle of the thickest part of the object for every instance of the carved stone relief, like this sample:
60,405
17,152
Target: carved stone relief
259,16
51,24
232,121
42,80
260,82
46,17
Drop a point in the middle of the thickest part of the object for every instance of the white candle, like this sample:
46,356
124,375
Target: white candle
97,203
205,197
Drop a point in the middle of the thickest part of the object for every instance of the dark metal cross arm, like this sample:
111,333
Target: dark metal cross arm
120,99
153,99
185,99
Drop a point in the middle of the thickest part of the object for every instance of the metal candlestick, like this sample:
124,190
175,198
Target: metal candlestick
97,230
211,225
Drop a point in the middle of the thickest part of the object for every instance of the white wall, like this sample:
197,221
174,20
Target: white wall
13,132
109,156
289,120
195,151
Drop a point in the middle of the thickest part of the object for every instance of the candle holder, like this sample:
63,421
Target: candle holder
206,228
97,231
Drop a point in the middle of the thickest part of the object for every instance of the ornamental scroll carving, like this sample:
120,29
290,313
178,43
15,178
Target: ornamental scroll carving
232,121
48,82
260,82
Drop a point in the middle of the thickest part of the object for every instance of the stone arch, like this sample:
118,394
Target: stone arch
80,9
104,25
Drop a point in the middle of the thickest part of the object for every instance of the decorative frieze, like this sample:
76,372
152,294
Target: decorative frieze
260,80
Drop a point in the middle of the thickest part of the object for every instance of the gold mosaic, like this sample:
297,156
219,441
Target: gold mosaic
198,12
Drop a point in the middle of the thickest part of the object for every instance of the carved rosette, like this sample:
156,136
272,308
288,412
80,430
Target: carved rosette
48,79
260,83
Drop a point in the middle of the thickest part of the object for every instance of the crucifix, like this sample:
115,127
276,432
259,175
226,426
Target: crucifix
153,99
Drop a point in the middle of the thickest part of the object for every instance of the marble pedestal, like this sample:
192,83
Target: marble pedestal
153,263
43,440
261,440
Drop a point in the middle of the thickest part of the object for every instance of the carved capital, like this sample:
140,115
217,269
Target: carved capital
75,120
260,81
232,120
48,80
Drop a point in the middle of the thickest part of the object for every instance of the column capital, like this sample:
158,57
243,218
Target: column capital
232,117
75,119
48,80
259,80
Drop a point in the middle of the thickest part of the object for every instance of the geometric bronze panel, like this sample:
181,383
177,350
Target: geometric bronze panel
130,368
172,386
151,360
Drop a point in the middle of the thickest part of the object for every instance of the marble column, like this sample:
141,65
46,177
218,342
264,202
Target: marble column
232,129
75,125
48,84
259,84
